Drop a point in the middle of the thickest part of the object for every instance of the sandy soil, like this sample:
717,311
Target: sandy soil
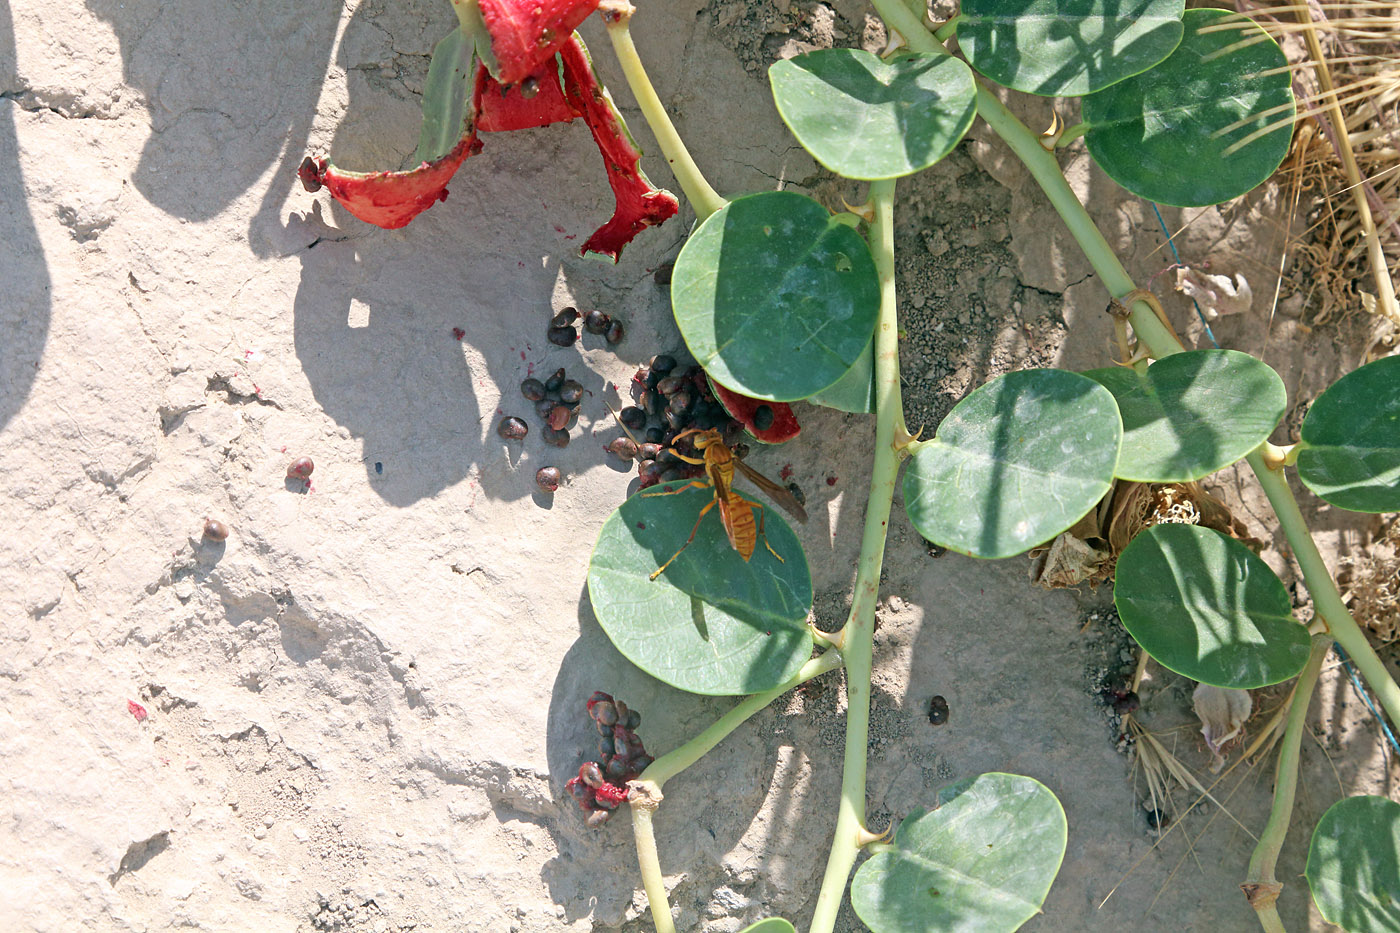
360,709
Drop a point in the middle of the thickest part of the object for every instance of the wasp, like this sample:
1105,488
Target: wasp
735,512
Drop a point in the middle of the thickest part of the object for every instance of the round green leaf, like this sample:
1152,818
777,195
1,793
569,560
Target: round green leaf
1353,868
1205,606
771,925
1352,433
984,860
855,391
775,297
1192,413
1015,463
712,623
868,118
1067,48
1170,134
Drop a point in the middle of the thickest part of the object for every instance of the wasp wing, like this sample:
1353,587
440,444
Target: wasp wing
778,494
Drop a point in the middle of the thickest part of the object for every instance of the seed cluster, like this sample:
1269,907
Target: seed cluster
601,786
556,404
562,331
670,399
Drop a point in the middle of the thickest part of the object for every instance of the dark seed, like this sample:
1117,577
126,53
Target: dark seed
529,87
512,428
596,322
655,436
633,417
559,417
621,709
935,550
675,420
562,336
590,774
300,468
615,332
938,711
663,364
215,530
597,697
616,770
605,713
532,389
597,818
763,417
1126,703
623,448
547,478
310,174
740,450
570,392
634,719
642,761
556,438
671,474
670,384
653,378
553,383
565,317
797,493
582,794
544,406
1156,819
680,402
649,473
606,746
648,451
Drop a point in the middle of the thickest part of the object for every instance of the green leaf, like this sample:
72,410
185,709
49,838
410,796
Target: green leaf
1193,413
775,297
1015,463
1067,48
1352,433
855,391
1170,134
712,623
867,118
447,96
1353,868
984,860
771,925
1205,606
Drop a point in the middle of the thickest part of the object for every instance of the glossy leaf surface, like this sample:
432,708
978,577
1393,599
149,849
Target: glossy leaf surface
712,623
447,96
868,118
1177,134
1015,463
984,860
1192,413
774,297
1067,48
1353,437
1205,606
1353,868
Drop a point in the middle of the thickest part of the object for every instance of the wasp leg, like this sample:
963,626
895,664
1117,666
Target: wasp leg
693,484
657,572
759,509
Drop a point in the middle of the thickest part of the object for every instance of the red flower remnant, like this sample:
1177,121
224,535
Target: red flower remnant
137,710
526,34
611,793
391,199
458,333
501,108
745,410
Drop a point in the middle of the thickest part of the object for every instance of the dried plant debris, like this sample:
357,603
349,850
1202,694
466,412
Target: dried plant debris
1223,712
1088,552
1370,582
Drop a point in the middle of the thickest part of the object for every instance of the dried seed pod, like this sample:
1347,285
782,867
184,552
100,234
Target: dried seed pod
596,322
512,428
624,448
562,336
532,389
544,406
763,417
663,363
556,438
300,468
559,417
548,478
564,318
571,392
215,530
615,333
633,417
553,383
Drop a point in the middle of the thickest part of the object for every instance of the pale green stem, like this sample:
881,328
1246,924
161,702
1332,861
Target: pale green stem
1265,858
1160,342
677,760
1071,134
857,636
703,199
947,30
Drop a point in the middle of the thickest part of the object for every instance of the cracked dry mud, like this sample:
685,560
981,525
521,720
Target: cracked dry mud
363,704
